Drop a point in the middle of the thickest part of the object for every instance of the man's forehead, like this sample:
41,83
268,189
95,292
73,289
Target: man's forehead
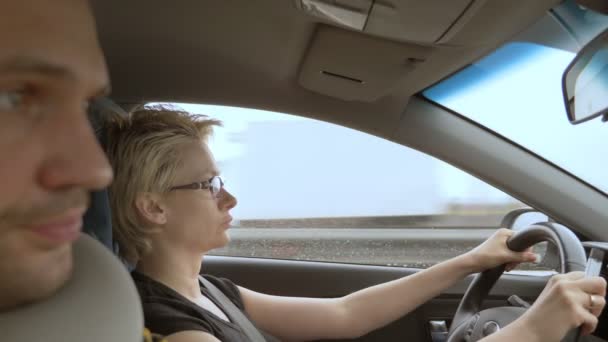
26,24
32,15
56,38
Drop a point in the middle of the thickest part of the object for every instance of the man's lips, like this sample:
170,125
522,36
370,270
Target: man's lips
60,229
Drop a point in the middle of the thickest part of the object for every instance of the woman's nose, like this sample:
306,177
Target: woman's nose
227,201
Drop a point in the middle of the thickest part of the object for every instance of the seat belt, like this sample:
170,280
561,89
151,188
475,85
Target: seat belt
235,314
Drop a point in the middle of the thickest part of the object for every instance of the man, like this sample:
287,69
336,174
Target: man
51,66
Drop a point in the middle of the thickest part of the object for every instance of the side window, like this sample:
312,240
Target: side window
310,190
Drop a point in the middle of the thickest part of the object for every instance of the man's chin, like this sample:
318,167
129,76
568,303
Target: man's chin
63,267
36,279
48,282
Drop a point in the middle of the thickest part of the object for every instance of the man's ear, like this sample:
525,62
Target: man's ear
150,207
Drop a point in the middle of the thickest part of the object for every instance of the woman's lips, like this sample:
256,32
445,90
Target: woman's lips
60,230
226,223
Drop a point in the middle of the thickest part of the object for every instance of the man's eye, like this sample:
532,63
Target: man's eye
11,99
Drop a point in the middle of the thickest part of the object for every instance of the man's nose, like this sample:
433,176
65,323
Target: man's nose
75,157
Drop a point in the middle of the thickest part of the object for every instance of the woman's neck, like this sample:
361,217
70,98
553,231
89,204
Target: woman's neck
177,269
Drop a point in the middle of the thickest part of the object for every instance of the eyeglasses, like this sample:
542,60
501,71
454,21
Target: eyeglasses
214,184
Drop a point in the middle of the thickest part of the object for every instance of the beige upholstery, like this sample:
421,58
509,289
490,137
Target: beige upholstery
99,303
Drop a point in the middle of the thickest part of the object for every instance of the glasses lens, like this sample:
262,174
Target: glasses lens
216,185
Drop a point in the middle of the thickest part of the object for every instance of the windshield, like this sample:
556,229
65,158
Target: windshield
516,92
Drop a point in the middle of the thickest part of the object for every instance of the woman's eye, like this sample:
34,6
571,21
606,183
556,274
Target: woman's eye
11,99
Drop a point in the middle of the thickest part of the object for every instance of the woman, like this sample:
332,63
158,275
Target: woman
170,208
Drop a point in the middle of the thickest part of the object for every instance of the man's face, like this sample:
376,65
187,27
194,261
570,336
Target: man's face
51,66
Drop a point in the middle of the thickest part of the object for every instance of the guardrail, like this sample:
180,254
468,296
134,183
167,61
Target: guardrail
410,247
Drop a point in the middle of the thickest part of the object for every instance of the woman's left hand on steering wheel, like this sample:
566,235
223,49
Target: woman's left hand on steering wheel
494,252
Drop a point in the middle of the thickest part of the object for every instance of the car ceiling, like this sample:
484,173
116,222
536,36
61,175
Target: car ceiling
268,54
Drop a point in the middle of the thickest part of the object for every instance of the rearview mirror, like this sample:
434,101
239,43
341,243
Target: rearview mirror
585,82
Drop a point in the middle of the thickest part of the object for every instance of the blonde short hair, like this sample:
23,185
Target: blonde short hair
143,151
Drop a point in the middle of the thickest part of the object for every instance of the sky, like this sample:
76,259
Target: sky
522,100
280,165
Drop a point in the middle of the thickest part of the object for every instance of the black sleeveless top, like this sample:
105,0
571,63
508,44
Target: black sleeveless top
167,312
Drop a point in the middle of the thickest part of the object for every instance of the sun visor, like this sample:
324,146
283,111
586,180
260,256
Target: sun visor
422,21
356,67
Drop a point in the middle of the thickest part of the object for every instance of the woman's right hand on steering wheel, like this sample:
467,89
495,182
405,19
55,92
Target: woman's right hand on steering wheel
567,302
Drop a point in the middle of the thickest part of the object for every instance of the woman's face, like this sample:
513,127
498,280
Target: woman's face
196,219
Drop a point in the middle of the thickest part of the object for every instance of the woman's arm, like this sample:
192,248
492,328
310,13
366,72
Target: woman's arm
379,305
371,308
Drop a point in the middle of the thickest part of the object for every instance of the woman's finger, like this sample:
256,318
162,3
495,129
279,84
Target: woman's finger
520,257
593,303
592,285
589,322
596,304
530,256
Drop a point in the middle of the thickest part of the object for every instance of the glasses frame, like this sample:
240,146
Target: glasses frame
204,185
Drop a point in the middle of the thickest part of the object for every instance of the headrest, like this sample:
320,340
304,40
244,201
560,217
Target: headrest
97,221
98,304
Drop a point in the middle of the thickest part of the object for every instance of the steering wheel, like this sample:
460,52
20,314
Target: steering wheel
471,324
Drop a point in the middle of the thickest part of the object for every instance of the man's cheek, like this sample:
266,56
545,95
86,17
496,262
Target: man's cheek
18,169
